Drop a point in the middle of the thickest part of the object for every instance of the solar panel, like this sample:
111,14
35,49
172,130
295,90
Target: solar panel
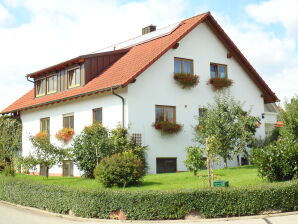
142,39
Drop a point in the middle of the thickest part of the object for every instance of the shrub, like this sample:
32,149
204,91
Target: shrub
150,205
186,80
194,161
9,171
277,161
122,169
166,127
90,146
65,135
220,83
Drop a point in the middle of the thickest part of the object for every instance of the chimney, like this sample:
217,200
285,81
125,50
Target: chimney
148,29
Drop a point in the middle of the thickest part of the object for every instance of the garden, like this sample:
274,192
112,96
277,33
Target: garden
115,177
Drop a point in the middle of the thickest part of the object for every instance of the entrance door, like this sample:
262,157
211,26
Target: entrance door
166,165
67,168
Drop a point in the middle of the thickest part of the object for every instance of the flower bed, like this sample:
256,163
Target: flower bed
65,134
220,83
186,80
166,127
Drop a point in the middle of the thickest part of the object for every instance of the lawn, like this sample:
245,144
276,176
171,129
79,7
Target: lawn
237,176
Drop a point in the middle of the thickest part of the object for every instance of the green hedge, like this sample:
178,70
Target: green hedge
152,204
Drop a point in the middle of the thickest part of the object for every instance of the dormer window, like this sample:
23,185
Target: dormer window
40,87
74,78
52,84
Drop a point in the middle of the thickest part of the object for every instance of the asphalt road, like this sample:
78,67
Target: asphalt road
10,214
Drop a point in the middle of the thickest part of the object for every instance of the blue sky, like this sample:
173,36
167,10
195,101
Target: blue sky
38,33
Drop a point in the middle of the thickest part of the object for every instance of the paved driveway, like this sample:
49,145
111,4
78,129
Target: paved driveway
10,214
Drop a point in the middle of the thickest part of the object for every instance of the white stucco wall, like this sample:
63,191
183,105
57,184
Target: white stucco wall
156,86
82,110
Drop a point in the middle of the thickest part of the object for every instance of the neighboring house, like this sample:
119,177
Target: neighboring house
132,84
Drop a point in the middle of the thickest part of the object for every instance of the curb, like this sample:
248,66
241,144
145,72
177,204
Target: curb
80,219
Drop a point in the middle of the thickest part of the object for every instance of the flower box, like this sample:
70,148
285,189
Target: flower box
186,80
220,83
43,135
65,134
166,127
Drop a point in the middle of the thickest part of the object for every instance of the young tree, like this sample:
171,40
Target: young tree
229,124
290,119
10,139
194,161
90,146
46,154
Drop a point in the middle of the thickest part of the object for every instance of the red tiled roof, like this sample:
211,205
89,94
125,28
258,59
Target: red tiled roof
132,64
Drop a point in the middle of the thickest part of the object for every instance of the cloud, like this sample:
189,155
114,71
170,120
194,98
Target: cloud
5,16
274,55
284,12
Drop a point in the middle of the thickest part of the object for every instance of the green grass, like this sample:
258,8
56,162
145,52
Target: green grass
237,176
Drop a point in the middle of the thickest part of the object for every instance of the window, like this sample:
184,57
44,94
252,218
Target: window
218,71
165,113
68,121
182,65
202,111
74,78
45,125
52,84
137,138
40,87
67,168
97,115
166,165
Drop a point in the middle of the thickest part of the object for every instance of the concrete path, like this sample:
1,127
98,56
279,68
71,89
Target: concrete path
11,214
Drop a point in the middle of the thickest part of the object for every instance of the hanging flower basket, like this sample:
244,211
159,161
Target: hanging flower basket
220,83
186,80
65,134
166,127
43,135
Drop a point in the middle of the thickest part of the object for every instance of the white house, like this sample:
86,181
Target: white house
132,84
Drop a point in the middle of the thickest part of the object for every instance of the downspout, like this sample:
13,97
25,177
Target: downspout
33,83
123,108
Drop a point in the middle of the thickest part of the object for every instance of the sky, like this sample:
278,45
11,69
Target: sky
35,34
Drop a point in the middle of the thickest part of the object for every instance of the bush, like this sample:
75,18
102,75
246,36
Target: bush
150,205
122,169
9,171
194,161
277,161
95,143
90,146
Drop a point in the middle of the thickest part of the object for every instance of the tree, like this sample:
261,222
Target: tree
229,124
290,119
10,139
278,160
90,146
46,154
194,161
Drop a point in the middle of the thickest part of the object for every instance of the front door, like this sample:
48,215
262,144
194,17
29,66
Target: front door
67,168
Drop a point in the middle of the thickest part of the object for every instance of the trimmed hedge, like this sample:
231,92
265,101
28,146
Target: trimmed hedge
145,205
